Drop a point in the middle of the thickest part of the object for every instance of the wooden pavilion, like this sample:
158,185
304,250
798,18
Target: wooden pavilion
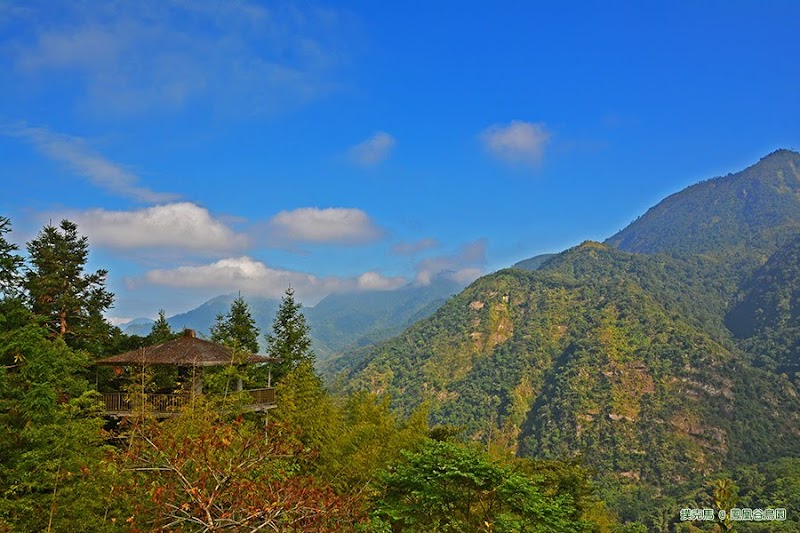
189,352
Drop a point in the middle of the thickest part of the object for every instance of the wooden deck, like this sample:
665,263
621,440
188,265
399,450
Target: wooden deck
163,405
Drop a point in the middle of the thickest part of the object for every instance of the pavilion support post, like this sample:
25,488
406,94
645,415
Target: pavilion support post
266,412
197,381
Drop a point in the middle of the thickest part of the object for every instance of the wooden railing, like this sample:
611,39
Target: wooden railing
122,403
265,396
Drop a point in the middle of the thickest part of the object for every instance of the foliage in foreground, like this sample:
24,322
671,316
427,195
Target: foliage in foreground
203,472
51,439
446,486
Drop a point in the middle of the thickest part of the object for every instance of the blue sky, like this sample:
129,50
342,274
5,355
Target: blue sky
207,147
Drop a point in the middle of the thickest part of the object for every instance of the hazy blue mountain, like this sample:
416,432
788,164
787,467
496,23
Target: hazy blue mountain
203,317
533,263
138,326
340,321
337,322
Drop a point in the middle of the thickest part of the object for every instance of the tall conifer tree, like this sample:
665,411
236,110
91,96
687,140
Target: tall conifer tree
290,339
59,289
237,328
161,331
10,263
13,312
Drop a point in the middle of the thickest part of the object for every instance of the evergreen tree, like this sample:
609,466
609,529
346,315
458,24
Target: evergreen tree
10,263
163,377
71,300
290,339
51,439
161,331
237,328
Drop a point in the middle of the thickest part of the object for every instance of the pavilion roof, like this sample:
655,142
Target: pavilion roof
187,350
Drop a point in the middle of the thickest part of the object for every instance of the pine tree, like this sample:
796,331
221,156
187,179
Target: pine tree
237,328
10,263
71,300
161,331
290,339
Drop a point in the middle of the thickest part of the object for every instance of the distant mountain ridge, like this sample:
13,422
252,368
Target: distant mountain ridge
343,320
138,326
337,322
748,215
533,263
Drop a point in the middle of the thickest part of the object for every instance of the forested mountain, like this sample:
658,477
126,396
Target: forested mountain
533,263
604,353
665,355
766,316
745,216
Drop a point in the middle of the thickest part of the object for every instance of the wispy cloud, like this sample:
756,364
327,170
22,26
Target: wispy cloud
464,265
336,225
76,154
413,248
130,57
518,142
374,281
257,278
373,150
178,226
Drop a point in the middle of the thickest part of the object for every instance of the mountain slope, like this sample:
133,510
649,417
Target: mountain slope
340,321
743,217
766,316
603,353
533,263
138,326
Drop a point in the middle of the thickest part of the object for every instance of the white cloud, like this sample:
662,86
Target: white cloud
466,275
516,142
82,49
412,248
336,225
373,150
183,226
118,320
373,281
462,266
161,55
254,277
76,154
